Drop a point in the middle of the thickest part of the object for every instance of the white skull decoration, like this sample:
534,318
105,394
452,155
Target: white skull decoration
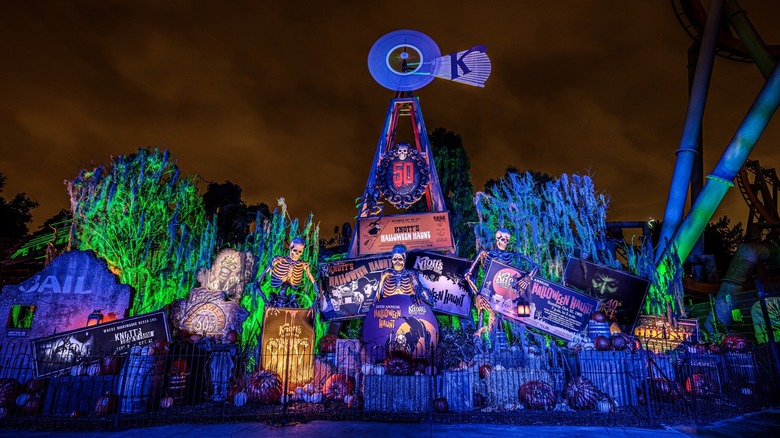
502,239
296,250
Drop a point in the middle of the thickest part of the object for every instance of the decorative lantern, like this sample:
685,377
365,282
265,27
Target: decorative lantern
94,318
523,307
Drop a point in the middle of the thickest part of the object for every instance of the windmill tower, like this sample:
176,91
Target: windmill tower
403,173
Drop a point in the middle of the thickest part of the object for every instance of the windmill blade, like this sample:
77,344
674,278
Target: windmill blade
471,67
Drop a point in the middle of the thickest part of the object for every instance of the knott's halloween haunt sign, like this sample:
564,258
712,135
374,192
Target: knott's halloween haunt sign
350,286
287,347
620,294
64,350
423,231
554,309
396,323
557,310
443,277
62,297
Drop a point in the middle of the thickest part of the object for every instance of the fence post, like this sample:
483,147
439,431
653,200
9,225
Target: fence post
770,335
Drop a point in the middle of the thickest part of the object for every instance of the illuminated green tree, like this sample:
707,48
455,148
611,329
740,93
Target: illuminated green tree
552,219
147,221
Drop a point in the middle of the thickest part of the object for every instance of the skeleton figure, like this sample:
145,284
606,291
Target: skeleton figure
401,281
287,273
483,259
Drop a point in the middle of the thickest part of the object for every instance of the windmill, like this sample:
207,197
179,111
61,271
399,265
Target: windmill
403,173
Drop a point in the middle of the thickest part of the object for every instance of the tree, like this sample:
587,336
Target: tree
452,167
234,217
147,221
539,178
15,214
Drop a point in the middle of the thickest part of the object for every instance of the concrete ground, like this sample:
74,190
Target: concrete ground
761,424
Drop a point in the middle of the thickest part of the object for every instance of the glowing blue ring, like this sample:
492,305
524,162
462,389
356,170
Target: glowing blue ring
379,62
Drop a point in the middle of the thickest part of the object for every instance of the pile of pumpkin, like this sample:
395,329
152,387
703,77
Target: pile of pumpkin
731,343
265,387
25,399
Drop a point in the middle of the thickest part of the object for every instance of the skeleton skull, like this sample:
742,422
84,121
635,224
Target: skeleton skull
502,239
296,249
403,151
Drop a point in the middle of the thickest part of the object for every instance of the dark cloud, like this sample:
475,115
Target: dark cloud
276,96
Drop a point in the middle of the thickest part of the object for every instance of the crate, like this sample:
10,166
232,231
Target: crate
77,393
616,373
458,388
502,386
397,393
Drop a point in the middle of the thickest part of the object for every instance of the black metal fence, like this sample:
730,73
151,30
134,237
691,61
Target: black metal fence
208,383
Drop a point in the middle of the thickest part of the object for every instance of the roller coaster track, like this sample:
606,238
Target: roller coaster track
760,194
692,15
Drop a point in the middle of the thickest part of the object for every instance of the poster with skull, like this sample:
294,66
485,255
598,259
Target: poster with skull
349,287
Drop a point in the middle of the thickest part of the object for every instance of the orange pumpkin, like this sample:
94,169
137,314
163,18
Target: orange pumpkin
537,395
9,390
328,344
265,387
338,386
441,405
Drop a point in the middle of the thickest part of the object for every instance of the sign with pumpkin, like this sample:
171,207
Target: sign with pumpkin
396,324
67,349
288,342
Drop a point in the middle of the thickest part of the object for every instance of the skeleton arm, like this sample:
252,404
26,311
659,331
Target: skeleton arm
420,293
381,287
469,277
275,261
311,278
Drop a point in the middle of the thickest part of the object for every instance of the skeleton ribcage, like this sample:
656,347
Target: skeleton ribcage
287,271
505,257
398,284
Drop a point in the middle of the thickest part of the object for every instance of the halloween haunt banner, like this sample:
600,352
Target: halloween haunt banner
350,286
443,277
555,309
396,323
421,231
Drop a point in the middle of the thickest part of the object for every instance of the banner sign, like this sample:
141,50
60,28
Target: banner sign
659,335
621,294
554,309
64,350
396,323
443,277
350,286
288,340
421,231
498,288
557,310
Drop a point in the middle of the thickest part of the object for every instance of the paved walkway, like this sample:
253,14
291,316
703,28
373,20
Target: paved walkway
765,423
